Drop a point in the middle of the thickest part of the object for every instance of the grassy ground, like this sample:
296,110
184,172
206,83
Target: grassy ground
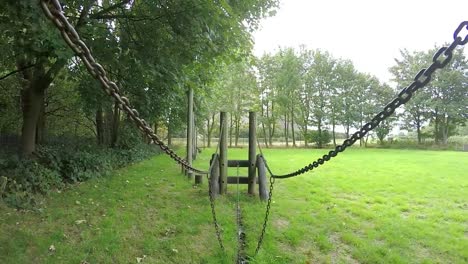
365,206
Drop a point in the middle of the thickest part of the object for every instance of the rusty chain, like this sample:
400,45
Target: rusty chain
441,58
53,11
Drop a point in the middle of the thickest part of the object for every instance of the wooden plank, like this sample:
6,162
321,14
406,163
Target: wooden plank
241,163
242,180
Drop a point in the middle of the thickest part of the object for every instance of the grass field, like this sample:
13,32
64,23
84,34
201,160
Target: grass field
365,206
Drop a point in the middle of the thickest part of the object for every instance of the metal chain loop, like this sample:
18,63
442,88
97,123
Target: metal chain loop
211,195
213,213
267,211
441,58
53,11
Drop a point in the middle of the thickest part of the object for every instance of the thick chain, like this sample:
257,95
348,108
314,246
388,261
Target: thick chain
53,11
441,58
213,213
267,211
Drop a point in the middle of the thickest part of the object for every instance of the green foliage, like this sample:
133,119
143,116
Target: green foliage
442,103
365,206
24,179
55,166
319,138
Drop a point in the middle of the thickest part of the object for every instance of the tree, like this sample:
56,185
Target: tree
416,112
319,82
267,92
343,102
442,102
156,40
288,83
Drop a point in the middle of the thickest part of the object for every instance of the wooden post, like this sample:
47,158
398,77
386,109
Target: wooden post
198,179
262,179
194,139
214,179
223,166
252,153
190,130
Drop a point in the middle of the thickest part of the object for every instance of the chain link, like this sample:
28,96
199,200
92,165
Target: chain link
267,211
213,212
53,11
441,58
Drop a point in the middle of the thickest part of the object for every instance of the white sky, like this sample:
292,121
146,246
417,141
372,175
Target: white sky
370,33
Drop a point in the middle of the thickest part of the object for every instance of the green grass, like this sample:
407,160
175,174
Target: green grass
365,206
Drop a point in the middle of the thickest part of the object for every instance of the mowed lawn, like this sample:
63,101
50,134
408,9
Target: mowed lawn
364,206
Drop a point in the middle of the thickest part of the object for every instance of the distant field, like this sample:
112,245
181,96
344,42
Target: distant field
365,206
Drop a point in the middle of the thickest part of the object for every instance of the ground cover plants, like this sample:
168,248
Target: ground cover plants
365,206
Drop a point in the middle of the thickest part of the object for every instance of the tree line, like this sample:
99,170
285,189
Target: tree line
311,94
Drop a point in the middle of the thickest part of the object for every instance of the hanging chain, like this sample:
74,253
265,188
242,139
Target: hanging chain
53,11
441,58
241,258
267,211
213,213
210,191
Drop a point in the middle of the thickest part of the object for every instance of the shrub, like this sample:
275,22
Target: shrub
55,166
23,179
319,139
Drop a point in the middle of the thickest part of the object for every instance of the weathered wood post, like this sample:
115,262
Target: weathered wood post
198,178
223,161
194,139
190,131
214,172
262,179
252,153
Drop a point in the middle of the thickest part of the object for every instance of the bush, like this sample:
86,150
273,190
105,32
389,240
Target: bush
25,178
319,139
54,166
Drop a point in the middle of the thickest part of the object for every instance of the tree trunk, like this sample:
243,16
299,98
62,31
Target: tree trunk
115,126
445,131
306,142
169,134
108,118
100,126
418,128
265,139
319,131
33,101
208,132
263,126
230,129
292,129
286,129
237,130
347,129
272,123
333,132
41,126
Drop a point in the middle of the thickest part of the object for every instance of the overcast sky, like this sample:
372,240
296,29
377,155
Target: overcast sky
370,33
